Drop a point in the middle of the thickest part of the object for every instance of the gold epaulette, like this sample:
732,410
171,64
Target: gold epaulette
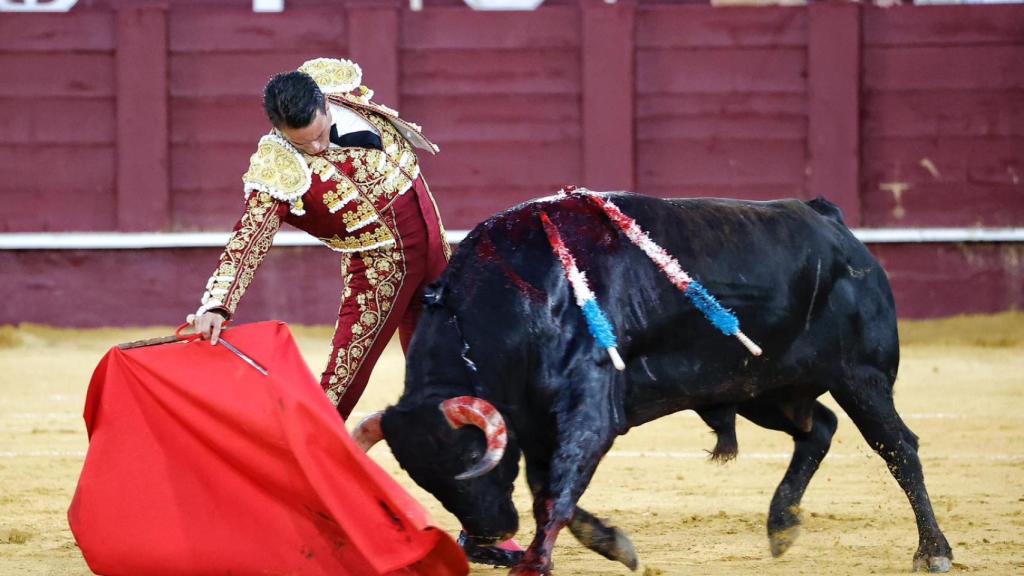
280,170
333,75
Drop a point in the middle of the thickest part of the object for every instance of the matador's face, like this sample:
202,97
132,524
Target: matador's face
314,138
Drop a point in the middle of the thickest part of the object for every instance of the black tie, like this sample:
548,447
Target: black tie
361,139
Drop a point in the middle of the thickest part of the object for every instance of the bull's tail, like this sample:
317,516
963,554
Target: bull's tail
827,209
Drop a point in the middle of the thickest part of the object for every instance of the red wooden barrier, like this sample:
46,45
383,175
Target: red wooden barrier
122,117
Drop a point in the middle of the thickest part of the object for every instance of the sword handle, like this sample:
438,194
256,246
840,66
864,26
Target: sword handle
176,337
149,342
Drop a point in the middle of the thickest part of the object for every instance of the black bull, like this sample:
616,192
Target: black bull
502,325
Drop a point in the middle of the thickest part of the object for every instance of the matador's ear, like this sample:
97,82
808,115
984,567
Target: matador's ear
433,295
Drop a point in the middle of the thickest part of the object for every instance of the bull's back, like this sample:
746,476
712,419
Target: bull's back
782,267
802,286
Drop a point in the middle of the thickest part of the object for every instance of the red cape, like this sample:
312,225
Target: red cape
199,464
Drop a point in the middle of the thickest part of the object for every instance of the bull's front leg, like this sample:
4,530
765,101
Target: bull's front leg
558,482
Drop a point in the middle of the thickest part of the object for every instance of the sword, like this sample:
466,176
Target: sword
242,355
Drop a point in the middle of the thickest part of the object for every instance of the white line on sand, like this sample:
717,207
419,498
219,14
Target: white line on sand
624,454
786,456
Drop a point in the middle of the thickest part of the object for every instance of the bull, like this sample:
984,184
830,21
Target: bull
502,364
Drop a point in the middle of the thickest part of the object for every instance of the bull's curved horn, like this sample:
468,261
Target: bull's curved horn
368,432
473,411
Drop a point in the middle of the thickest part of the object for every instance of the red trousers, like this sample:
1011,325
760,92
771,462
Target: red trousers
383,293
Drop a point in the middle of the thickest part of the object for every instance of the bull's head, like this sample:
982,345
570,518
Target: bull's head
459,452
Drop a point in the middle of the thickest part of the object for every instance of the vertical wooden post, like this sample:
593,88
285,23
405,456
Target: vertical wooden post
373,28
608,94
833,88
143,184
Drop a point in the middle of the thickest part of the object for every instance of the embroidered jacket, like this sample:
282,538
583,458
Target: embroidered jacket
337,196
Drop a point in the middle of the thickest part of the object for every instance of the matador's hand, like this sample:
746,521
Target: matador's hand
209,326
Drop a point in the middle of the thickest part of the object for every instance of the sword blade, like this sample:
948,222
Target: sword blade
243,356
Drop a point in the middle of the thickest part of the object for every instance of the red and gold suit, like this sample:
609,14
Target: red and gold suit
371,206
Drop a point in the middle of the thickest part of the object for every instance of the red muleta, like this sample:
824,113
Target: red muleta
200,464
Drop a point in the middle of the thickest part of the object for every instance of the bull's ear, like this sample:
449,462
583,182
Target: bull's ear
434,294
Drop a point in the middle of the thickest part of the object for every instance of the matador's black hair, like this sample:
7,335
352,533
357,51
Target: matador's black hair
291,100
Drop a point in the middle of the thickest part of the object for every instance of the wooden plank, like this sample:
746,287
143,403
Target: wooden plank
741,103
209,167
934,280
58,210
36,121
245,74
455,72
206,208
952,204
373,38
706,27
937,68
943,25
458,28
67,168
608,109
71,189
723,162
85,31
494,118
941,114
791,129
47,286
833,106
57,75
323,30
502,164
920,161
143,194
217,121
944,182
726,70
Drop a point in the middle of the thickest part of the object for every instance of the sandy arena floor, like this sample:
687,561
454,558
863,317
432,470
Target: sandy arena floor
961,389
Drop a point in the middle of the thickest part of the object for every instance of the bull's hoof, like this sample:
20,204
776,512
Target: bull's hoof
784,532
932,564
608,541
781,541
490,555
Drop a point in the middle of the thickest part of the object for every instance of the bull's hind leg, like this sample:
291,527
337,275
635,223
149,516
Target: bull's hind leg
608,541
812,438
868,400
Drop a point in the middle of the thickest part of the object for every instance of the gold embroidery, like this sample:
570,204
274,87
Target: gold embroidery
381,176
321,167
379,236
278,170
362,215
385,272
245,251
333,74
344,192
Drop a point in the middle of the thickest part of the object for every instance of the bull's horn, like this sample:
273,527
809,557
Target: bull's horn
473,411
368,432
